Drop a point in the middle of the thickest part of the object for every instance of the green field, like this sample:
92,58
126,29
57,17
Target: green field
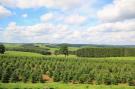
18,59
18,53
12,47
60,68
60,86
30,54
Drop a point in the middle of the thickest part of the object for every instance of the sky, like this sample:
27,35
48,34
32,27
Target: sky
68,21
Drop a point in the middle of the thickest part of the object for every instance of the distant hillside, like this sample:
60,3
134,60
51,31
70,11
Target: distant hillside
93,45
49,45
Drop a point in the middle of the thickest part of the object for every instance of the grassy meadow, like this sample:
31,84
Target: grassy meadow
19,53
60,86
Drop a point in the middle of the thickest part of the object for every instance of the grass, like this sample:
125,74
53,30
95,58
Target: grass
10,45
60,86
63,56
120,58
73,48
30,54
21,85
18,53
115,58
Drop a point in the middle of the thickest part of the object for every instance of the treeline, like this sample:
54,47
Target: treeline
73,70
105,52
2,49
33,49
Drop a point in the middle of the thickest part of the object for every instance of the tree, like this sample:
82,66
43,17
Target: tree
56,76
2,48
56,52
35,77
64,50
14,76
5,76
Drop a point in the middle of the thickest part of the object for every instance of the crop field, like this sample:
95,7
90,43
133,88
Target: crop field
94,73
38,66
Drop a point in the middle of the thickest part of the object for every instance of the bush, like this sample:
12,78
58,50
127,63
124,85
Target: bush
2,48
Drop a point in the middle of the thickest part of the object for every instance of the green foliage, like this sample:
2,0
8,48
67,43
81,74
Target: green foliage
63,49
35,76
30,48
5,75
2,49
105,52
14,76
56,52
75,70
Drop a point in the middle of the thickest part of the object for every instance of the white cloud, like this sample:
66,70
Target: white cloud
47,17
112,33
118,10
106,33
127,25
75,19
63,4
63,26
4,12
42,32
9,32
24,15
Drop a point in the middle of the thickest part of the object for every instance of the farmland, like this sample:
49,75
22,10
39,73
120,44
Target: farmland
67,44
21,68
19,53
111,71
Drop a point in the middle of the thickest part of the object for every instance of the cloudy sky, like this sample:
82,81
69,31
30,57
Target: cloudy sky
68,21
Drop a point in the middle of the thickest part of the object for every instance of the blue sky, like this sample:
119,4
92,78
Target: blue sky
68,21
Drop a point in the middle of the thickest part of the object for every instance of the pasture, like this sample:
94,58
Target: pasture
60,86
19,53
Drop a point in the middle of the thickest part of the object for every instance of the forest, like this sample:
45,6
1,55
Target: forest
106,52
